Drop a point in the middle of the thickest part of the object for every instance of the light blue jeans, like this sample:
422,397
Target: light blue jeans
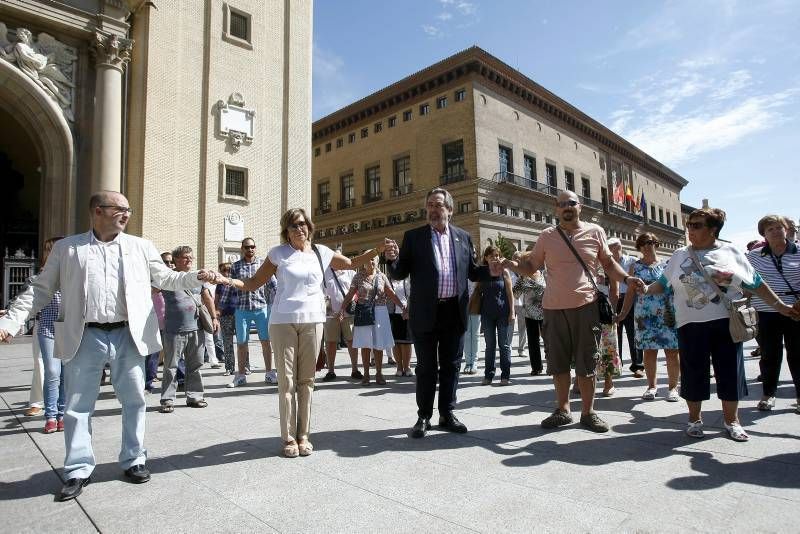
53,379
82,385
471,340
495,330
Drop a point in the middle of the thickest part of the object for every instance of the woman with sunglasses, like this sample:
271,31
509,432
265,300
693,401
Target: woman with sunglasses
703,320
654,324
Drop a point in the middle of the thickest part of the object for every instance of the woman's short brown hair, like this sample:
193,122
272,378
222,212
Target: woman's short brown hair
713,217
490,250
289,217
647,236
769,220
225,266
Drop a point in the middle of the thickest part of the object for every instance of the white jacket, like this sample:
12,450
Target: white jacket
65,270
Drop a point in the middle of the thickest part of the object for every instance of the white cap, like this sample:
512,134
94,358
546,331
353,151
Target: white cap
614,241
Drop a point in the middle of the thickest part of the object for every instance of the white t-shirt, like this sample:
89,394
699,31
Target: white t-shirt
332,290
695,300
300,298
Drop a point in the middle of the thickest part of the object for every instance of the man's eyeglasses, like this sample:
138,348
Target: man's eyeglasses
117,209
567,203
695,225
650,242
185,258
248,247
298,225
435,205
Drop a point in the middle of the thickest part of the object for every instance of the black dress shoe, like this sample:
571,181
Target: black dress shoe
72,488
450,423
420,428
138,474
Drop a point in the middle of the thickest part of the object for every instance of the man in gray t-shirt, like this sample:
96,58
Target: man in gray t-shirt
183,337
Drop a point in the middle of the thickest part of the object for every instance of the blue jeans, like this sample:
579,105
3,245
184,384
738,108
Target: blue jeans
82,385
53,379
496,329
471,340
151,370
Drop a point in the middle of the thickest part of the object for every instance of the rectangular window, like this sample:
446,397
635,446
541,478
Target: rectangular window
402,176
537,217
487,206
351,138
569,179
407,115
424,109
392,122
453,158
530,167
464,207
604,198
324,194
661,215
373,182
364,132
441,102
506,159
526,214
550,172
327,147
652,212
461,94
378,127
316,152
501,209
549,219
675,220
514,212
586,189
339,143
348,192
235,182
239,25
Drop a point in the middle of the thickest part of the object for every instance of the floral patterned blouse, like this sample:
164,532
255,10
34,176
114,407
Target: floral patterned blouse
365,285
532,291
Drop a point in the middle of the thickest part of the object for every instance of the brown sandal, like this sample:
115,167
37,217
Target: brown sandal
305,447
290,450
380,380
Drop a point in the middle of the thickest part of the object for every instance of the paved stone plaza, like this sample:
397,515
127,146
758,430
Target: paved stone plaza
219,470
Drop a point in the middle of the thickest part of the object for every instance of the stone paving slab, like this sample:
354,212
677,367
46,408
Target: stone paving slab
219,470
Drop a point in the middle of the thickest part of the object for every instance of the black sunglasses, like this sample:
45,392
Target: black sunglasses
248,247
650,242
565,203
695,225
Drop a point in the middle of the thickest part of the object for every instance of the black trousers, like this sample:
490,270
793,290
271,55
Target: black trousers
775,331
636,355
532,328
439,352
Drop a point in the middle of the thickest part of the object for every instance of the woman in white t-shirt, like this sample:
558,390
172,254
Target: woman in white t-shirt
297,318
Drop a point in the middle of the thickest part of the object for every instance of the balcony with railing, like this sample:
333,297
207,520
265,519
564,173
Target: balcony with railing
323,208
401,190
667,227
452,178
595,204
372,197
527,183
625,214
347,203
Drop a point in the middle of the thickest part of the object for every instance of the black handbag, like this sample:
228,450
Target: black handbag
603,305
364,314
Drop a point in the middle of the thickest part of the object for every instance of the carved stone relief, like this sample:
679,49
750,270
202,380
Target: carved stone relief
111,50
46,61
236,123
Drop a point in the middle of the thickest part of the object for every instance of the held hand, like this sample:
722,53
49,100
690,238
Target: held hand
339,315
789,311
405,314
215,323
390,249
3,313
496,267
380,248
637,284
5,336
511,318
207,276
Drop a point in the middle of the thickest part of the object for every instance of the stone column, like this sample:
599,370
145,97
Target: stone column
111,54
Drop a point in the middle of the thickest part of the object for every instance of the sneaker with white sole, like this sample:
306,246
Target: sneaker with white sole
650,393
271,377
672,395
238,380
695,429
736,432
767,404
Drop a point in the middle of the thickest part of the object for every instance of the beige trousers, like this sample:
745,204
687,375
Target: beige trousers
296,347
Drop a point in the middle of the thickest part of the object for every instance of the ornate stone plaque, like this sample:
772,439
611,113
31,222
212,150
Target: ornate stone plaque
235,121
234,226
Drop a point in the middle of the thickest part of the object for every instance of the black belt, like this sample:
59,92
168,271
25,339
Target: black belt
448,300
108,326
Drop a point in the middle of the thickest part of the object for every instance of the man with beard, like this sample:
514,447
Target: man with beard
571,327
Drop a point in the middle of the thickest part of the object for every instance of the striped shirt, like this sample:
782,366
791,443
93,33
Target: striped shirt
445,262
246,300
48,315
770,268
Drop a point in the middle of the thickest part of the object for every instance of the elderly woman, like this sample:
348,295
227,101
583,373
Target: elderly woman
703,320
298,315
778,263
652,330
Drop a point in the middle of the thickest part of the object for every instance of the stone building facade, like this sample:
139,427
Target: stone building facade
499,142
199,111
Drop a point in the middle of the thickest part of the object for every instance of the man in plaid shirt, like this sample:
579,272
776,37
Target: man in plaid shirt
252,308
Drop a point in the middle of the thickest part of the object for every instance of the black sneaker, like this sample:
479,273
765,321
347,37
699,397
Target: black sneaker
329,376
356,374
593,422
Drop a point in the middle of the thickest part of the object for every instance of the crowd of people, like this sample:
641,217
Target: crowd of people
105,299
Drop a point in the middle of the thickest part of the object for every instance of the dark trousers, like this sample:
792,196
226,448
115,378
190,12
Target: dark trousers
532,327
775,331
636,355
439,353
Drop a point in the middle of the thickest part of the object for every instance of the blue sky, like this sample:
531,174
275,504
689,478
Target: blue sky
710,88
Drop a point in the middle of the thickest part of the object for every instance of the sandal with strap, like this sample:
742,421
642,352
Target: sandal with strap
305,447
196,403
290,450
166,408
736,432
695,430
766,404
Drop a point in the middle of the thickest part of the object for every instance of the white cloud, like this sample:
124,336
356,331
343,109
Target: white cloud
329,73
444,16
736,82
458,14
466,8
431,30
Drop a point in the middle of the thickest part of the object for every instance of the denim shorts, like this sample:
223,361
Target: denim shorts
244,318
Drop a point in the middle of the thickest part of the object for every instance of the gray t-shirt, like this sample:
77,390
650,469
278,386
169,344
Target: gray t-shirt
180,311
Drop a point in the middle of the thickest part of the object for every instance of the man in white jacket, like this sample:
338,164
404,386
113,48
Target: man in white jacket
106,316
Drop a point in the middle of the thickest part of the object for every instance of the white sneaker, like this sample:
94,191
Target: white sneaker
271,377
650,393
672,395
238,380
695,429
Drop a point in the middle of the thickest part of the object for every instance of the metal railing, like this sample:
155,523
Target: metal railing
667,227
323,209
451,178
591,203
399,191
625,214
373,197
344,204
527,183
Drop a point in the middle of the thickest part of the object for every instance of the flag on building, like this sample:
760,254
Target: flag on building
643,206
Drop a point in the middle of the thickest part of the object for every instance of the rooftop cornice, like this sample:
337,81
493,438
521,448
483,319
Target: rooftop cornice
476,64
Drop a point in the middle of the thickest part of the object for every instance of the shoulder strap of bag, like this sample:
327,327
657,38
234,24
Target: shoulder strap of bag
321,268
575,252
708,278
338,283
197,301
779,268
376,276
